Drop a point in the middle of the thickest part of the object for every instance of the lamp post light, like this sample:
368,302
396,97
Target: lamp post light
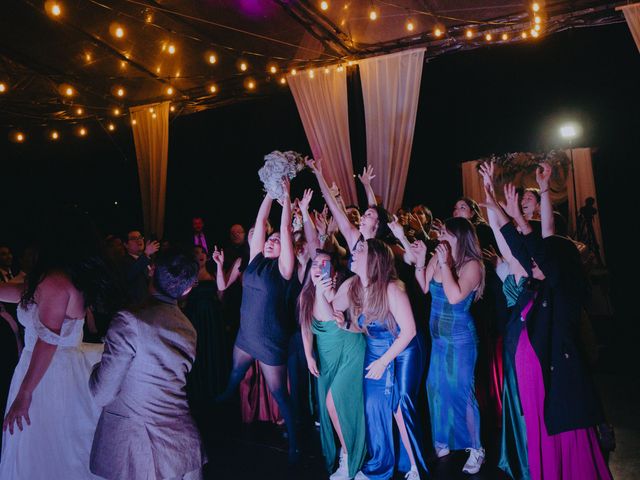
570,131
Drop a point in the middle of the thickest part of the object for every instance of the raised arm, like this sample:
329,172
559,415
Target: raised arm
257,241
349,232
398,232
287,258
543,174
400,308
424,271
457,287
365,178
310,231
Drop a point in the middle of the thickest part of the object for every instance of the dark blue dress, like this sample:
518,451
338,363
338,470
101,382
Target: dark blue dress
398,387
263,314
455,417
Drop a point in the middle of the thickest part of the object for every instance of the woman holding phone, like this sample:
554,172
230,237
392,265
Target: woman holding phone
339,366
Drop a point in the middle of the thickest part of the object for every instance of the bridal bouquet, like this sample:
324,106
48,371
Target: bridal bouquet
278,165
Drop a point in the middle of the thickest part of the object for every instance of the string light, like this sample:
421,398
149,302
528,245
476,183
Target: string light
213,89
169,90
3,88
251,85
212,59
283,81
53,8
149,18
151,110
536,7
116,112
20,137
133,121
117,30
243,66
469,33
87,57
373,15
311,74
524,35
537,28
437,32
273,69
172,108
68,91
294,71
410,25
537,19
123,64
488,37
79,111
54,135
111,127
505,37
326,70
120,92
350,63
340,68
154,115
324,5
534,34
158,70
82,132
171,49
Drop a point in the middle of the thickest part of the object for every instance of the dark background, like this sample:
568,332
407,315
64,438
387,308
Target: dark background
493,100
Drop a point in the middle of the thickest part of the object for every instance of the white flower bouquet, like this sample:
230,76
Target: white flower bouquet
278,165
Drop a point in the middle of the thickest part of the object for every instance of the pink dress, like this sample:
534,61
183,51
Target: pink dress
572,455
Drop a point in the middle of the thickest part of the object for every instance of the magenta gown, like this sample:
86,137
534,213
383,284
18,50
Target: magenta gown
572,455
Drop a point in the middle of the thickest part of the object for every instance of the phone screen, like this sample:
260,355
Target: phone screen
326,269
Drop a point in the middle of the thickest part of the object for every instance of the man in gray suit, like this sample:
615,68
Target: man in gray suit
146,430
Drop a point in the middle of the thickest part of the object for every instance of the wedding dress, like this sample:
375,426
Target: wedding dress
63,416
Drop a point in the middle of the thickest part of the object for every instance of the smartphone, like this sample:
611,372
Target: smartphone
326,270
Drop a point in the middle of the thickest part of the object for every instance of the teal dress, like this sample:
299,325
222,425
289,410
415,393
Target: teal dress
341,362
513,444
455,416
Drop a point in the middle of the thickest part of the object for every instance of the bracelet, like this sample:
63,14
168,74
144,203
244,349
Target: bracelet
544,191
419,269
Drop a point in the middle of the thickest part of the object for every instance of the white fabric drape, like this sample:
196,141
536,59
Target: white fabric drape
632,16
151,136
585,187
322,104
390,89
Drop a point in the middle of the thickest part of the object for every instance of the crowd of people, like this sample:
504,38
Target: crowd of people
341,318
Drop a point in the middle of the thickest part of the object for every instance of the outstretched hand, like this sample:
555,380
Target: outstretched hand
314,165
306,200
512,201
543,175
487,170
367,175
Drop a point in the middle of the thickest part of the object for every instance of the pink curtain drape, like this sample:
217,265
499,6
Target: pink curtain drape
321,98
151,137
632,16
390,89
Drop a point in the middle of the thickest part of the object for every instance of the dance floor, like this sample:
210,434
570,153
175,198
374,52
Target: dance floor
258,451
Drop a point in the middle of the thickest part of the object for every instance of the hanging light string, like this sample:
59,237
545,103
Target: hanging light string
445,17
219,25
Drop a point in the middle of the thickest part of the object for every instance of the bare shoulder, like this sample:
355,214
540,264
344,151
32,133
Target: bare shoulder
472,266
396,288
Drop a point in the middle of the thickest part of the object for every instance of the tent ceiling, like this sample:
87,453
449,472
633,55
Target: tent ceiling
40,54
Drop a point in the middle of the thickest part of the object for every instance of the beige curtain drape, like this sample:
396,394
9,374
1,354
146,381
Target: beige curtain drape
390,89
321,99
585,187
150,125
632,16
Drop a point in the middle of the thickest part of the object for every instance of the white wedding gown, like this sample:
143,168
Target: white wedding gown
63,416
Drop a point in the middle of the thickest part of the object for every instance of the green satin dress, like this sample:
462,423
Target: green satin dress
513,445
341,363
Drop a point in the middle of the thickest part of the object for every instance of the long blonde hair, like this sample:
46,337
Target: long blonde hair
372,300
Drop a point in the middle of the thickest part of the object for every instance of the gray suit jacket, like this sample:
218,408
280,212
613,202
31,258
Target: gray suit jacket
145,430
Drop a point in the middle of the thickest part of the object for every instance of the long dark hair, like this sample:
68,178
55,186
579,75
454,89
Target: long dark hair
307,298
476,216
467,246
69,244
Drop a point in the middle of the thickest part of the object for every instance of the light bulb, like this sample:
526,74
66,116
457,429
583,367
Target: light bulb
169,90
3,88
537,28
283,80
154,115
311,74
116,111
410,26
536,7
119,32
68,91
79,111
54,135
537,19
505,36
324,5
273,69
251,85
172,108
293,71
171,49
87,57
534,34
20,137
437,32
243,67
82,132
469,34
373,15
524,35
212,59
213,89
488,37
120,92
111,127
56,10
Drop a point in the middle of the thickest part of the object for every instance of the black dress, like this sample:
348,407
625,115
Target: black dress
263,314
210,370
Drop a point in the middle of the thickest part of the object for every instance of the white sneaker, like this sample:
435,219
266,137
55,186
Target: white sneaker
474,462
412,474
342,473
442,450
360,476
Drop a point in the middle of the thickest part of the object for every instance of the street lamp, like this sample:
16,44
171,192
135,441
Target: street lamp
569,131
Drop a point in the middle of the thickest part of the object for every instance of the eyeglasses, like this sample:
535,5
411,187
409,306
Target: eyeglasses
139,237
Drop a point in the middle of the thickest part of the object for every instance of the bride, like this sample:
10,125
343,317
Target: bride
51,418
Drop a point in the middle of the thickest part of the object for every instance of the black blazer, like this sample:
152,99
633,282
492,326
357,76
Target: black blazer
571,401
